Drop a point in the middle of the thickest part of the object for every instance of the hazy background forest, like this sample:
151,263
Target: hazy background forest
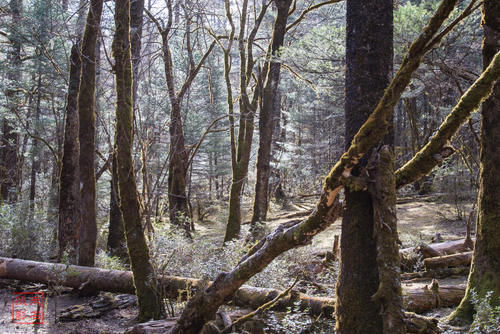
307,136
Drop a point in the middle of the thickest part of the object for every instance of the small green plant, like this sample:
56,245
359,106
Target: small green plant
487,317
106,261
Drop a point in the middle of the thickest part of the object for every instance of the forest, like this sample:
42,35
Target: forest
250,166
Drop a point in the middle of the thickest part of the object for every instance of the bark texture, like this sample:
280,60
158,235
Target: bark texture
69,184
116,245
485,269
369,54
145,282
86,113
9,139
269,104
385,231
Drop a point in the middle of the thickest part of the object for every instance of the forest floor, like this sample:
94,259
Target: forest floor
420,220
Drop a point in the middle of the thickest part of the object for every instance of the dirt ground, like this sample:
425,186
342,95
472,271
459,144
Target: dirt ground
419,221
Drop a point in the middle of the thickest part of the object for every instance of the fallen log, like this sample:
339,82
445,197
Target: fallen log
178,288
419,324
436,273
426,298
439,249
412,255
446,261
173,287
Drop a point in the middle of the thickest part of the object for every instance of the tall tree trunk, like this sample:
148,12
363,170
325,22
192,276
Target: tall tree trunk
86,113
267,112
369,68
69,184
240,149
35,165
179,211
485,270
177,170
9,140
116,237
145,282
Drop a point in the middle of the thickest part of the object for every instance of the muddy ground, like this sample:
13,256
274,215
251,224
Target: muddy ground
420,220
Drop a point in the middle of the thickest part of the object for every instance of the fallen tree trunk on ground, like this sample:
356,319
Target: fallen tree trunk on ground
446,261
173,287
436,273
426,298
410,256
439,249
177,288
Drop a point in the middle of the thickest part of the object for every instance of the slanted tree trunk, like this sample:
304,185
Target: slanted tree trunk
69,184
369,55
9,139
485,269
267,113
86,113
145,282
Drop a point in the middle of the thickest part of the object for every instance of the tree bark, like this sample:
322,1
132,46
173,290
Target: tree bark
145,282
86,113
385,231
9,139
69,184
485,268
117,245
363,293
267,113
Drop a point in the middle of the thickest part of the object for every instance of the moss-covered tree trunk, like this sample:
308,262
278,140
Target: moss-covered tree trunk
369,68
485,269
69,181
267,112
385,231
9,140
86,113
116,235
116,238
145,282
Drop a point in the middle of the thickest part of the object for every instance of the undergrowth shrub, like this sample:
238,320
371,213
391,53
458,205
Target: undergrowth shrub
487,317
26,236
